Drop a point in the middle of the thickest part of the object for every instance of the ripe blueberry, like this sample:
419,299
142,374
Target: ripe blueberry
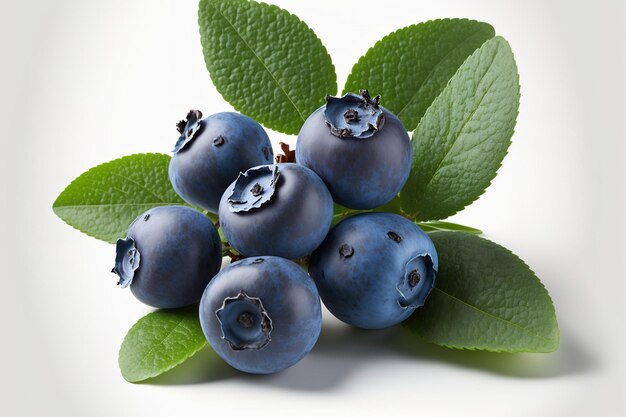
360,149
374,269
281,210
210,153
261,315
169,256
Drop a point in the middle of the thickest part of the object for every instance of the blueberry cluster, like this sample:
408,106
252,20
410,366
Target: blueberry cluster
262,313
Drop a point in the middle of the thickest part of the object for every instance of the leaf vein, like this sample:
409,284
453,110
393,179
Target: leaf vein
524,329
282,89
432,71
457,135
140,362
142,186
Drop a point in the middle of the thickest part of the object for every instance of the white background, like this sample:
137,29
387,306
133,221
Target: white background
84,82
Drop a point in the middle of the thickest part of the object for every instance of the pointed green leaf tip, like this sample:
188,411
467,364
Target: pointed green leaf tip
160,341
103,201
265,61
464,135
485,298
411,66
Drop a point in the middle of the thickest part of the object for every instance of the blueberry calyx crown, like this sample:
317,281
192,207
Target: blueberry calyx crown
188,129
417,282
354,115
253,188
244,322
126,261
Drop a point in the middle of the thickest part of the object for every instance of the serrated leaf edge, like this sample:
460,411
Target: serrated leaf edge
432,72
404,29
416,215
107,163
173,364
298,20
487,349
56,211
508,322
56,208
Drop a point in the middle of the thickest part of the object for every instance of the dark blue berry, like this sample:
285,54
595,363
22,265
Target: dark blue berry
281,210
169,256
374,269
261,315
210,153
360,150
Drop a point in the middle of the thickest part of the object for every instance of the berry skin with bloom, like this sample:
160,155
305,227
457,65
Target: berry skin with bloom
211,152
261,315
168,257
280,210
374,269
359,149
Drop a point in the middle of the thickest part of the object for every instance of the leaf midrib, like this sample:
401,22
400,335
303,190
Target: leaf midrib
466,121
141,186
259,59
432,71
91,186
170,333
508,322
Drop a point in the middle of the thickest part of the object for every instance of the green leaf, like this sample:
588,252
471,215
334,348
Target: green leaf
426,228
453,227
103,201
410,67
160,341
463,137
485,298
211,216
393,206
265,61
341,212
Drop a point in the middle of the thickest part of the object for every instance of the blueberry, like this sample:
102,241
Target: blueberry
261,315
169,256
360,149
211,152
281,210
374,269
